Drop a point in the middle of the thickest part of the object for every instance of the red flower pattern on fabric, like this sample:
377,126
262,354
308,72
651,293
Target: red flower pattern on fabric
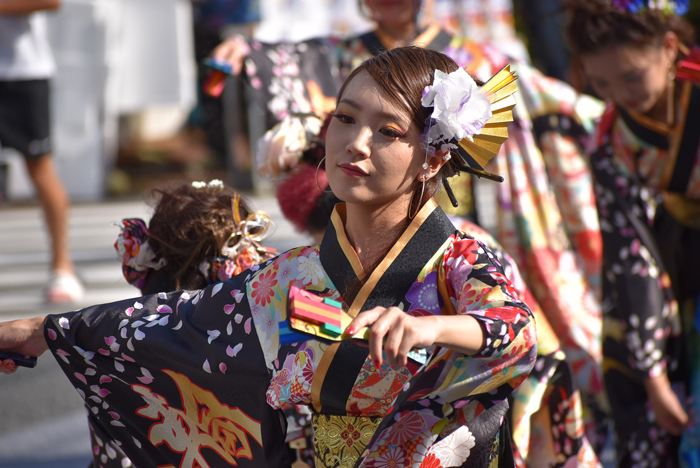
279,381
350,435
409,425
468,295
468,249
431,461
263,287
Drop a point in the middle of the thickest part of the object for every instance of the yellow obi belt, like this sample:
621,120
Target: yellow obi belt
340,440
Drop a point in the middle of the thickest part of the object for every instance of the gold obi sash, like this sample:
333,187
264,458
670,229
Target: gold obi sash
683,210
340,440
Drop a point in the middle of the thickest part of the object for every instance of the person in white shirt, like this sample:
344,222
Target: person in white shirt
26,66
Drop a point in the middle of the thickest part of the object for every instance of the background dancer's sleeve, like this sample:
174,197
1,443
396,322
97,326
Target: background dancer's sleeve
544,95
291,78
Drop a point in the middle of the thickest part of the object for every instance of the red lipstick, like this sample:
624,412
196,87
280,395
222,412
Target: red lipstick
352,170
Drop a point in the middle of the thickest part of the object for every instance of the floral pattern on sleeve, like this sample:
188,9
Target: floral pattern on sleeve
479,288
475,285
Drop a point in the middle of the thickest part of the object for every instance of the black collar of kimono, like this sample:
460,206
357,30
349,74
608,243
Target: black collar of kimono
689,144
643,132
682,144
375,47
393,277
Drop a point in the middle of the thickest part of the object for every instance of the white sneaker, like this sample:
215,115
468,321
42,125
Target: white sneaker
64,287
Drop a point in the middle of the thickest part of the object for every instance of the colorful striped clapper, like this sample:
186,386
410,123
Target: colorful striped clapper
314,317
216,79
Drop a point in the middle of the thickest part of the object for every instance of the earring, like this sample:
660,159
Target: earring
317,184
671,98
420,202
425,165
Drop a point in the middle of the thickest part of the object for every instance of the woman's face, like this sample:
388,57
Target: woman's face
393,12
634,78
373,151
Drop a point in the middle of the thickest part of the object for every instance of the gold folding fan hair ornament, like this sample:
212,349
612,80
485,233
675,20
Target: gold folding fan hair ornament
484,124
486,145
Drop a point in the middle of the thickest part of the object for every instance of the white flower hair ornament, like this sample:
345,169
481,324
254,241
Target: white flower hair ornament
471,119
282,147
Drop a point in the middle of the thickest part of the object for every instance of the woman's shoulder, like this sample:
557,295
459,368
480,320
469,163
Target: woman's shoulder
470,230
468,249
296,252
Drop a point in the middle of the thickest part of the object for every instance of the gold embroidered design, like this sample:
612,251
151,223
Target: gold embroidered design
340,440
203,423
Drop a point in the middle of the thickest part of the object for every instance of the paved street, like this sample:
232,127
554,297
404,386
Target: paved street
42,422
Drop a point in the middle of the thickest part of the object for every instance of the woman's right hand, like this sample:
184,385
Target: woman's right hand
668,410
24,336
233,50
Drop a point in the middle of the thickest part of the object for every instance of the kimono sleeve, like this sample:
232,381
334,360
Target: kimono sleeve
478,287
642,323
161,375
292,78
544,96
457,403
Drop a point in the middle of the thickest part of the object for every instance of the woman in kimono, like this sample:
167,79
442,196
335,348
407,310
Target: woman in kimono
545,210
539,406
194,239
196,378
647,175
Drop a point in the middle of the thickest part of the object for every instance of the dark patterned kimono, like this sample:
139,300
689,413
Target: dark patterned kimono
647,179
199,378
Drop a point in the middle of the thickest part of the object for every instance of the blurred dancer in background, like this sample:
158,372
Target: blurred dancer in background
214,20
483,21
26,66
640,57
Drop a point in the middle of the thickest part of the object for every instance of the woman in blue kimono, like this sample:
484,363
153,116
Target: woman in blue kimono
197,378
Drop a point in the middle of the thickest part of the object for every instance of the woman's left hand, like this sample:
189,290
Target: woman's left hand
397,331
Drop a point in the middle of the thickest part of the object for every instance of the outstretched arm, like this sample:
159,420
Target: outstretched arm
25,336
25,7
233,50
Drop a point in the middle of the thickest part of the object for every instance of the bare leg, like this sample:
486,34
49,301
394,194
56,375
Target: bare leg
55,203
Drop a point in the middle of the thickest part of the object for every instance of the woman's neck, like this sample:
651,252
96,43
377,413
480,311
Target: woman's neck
395,35
372,230
665,109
